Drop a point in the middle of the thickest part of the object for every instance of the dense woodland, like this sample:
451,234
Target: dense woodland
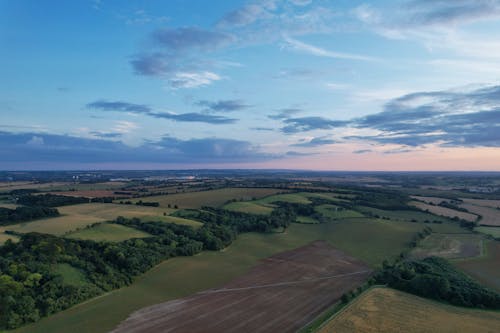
50,200
436,278
22,214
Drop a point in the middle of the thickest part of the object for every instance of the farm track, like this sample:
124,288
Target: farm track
281,294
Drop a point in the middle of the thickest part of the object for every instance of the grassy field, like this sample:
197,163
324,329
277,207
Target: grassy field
449,246
214,198
173,219
485,269
489,216
306,219
248,207
108,232
71,275
444,211
300,198
401,215
334,212
79,216
389,310
493,231
366,239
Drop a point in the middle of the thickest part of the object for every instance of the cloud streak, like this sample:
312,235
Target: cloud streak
120,106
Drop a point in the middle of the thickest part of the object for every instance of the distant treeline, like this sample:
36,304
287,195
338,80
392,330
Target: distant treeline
50,200
57,200
30,287
22,214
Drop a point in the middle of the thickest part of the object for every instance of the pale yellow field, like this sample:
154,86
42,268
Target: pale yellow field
79,216
214,198
388,310
483,202
8,205
4,237
443,211
490,216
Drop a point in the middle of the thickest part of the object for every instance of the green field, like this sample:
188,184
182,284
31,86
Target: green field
401,215
493,231
173,219
79,216
71,275
306,219
368,239
249,207
335,212
214,198
485,269
389,310
299,198
449,246
107,232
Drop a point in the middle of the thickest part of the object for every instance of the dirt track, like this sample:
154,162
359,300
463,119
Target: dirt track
281,294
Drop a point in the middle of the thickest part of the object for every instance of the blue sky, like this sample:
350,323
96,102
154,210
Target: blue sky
320,84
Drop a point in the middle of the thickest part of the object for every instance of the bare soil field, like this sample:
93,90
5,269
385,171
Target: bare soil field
449,246
490,216
443,211
388,310
280,294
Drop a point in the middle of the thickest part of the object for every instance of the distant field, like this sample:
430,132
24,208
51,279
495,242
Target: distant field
366,239
433,200
493,231
335,212
173,219
444,211
89,193
306,219
107,232
82,215
389,310
490,216
280,294
300,198
485,269
483,202
401,215
214,198
8,205
71,275
4,237
9,186
248,207
449,246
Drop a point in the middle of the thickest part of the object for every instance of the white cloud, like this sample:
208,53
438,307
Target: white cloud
294,44
193,79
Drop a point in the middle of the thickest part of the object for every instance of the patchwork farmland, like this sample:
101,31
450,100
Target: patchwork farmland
281,294
388,310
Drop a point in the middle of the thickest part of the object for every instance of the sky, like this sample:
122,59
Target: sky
274,84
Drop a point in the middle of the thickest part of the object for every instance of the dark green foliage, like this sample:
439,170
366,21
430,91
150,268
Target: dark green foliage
50,200
21,214
437,279
149,204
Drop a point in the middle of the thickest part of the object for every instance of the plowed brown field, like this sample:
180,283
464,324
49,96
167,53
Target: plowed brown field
281,294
